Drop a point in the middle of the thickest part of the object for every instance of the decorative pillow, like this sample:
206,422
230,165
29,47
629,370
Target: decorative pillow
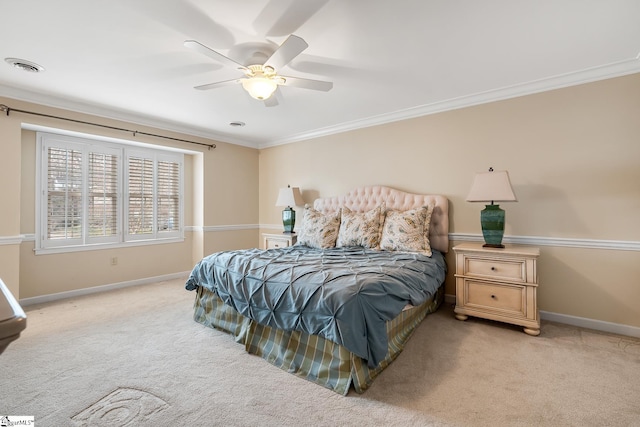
407,231
360,229
319,230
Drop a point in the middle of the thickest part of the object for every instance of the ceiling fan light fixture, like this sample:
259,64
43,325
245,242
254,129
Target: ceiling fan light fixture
259,88
261,78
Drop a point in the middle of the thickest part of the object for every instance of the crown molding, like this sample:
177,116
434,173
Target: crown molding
603,72
615,69
111,114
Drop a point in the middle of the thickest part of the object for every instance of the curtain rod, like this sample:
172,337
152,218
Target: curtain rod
134,132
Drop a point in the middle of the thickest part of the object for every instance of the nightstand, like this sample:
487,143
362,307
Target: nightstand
282,240
498,284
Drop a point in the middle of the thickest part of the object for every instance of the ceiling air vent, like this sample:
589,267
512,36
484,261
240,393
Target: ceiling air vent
24,65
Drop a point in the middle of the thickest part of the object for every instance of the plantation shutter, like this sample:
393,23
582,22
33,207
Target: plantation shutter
92,193
64,194
141,191
103,203
168,206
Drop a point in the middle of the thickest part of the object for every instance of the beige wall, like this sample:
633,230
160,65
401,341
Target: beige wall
574,160
9,202
213,180
573,156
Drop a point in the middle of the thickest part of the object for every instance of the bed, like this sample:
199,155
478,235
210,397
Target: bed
339,306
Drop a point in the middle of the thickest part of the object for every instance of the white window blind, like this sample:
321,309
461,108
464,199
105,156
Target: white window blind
140,212
103,197
64,194
80,191
169,201
154,195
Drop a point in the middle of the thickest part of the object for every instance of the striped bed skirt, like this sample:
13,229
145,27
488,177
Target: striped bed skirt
310,356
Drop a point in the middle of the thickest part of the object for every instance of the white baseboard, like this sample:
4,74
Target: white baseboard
598,325
582,322
95,289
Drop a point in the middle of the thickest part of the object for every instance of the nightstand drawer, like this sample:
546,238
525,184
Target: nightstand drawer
515,269
276,243
495,297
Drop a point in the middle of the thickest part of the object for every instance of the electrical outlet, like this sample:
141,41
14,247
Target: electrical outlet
114,260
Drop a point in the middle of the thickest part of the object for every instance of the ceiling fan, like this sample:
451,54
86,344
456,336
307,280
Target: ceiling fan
262,80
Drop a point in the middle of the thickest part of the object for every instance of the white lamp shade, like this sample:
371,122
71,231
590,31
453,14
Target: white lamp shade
259,87
290,196
492,186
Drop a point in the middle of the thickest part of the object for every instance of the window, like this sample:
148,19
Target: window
80,192
153,196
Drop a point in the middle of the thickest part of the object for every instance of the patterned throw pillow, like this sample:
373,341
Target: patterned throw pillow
319,230
360,229
407,231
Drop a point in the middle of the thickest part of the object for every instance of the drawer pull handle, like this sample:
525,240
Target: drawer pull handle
493,269
493,296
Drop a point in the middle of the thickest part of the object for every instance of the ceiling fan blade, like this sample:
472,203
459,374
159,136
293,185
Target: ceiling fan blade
289,49
200,48
217,84
307,83
282,17
271,101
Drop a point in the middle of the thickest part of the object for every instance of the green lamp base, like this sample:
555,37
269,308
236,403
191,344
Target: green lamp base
492,222
288,219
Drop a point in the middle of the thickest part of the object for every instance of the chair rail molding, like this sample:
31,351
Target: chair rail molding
11,240
234,227
620,245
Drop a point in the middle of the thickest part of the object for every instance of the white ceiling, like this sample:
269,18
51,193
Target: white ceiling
388,60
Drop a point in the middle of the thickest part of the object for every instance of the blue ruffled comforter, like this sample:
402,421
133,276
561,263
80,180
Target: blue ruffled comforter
342,294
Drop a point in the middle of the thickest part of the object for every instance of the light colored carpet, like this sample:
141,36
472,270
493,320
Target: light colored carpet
135,357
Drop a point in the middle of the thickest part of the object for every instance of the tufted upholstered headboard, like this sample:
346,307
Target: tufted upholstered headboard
362,199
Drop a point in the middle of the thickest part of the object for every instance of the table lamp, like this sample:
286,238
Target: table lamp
492,186
288,197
